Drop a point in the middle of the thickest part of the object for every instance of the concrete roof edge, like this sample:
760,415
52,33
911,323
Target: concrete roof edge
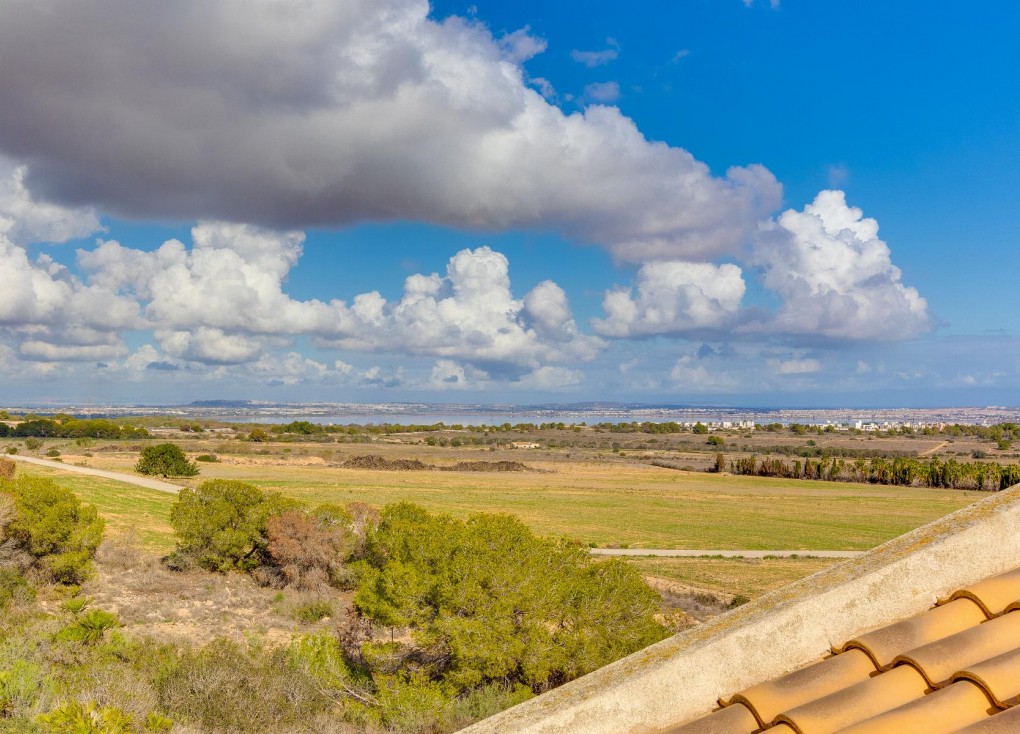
681,677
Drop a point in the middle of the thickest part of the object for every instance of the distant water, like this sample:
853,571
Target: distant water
380,419
464,419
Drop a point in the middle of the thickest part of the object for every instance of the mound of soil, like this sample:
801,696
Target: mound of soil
373,461
487,466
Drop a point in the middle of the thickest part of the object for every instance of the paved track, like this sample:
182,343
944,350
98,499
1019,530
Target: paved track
116,476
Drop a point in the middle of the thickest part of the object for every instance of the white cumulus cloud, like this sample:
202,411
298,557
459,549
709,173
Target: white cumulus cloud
469,314
25,219
223,302
835,276
673,298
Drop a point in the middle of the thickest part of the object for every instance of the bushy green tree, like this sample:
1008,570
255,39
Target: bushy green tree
222,524
486,600
53,527
166,460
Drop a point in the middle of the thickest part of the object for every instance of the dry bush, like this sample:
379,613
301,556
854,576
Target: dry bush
120,553
223,688
363,517
7,468
308,551
12,555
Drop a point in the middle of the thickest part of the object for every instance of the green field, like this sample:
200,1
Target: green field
637,506
138,513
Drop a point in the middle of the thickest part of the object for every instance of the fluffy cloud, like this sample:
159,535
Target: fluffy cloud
44,309
673,298
323,112
25,219
470,314
520,45
222,302
231,280
835,276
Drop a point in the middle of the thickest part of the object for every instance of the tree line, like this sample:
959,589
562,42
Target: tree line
900,471
71,428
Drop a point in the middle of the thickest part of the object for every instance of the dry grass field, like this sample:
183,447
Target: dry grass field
597,497
606,503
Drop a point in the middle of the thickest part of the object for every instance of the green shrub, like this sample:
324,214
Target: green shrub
207,458
166,460
312,611
53,453
86,718
494,603
32,444
11,450
13,586
222,524
76,605
54,527
90,628
19,686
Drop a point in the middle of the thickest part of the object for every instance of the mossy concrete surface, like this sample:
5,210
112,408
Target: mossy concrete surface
683,677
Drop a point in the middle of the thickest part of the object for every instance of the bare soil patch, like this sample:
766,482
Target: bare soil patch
196,606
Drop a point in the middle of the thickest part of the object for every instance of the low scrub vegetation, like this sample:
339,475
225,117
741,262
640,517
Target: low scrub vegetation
452,621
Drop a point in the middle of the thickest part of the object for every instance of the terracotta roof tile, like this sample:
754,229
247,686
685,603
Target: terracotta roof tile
999,676
942,712
767,700
938,661
1007,722
949,669
860,701
884,644
735,719
993,594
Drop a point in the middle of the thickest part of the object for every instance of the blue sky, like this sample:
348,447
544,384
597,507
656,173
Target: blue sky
704,202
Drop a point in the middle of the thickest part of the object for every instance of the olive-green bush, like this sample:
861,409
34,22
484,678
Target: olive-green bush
221,526
53,527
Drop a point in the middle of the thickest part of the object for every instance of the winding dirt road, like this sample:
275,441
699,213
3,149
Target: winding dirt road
116,476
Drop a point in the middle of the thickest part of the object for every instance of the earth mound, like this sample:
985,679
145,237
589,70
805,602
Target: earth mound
374,461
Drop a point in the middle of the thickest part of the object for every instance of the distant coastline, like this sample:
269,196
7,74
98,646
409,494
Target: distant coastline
250,411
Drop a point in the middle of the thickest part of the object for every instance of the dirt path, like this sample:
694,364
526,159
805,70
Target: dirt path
116,476
933,449
724,553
